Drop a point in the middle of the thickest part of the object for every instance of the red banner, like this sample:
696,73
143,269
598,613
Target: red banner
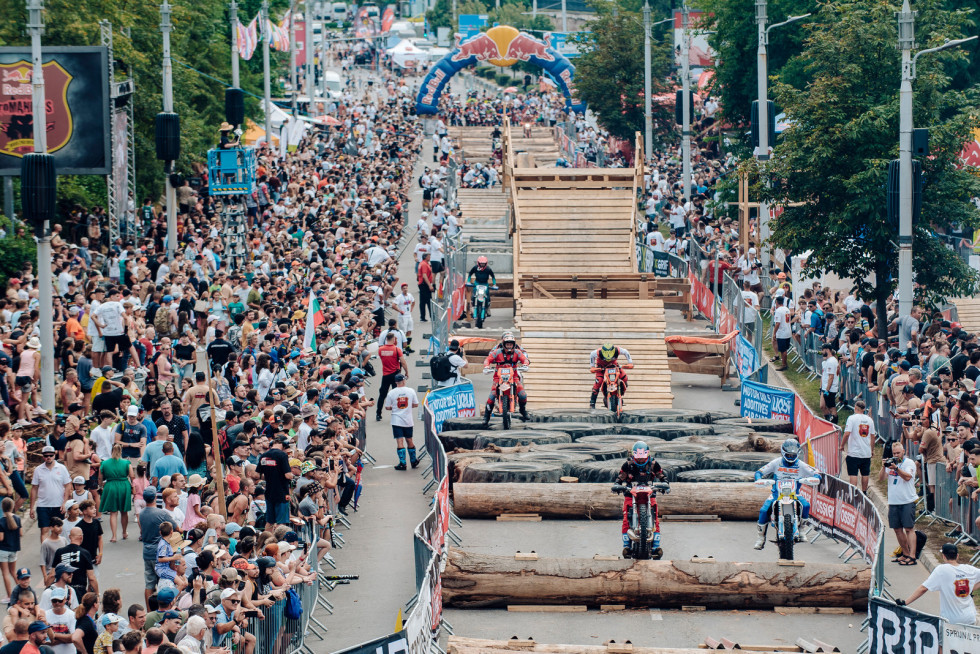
702,297
821,436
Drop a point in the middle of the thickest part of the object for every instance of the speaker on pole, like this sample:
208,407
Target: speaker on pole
894,195
234,106
39,185
679,107
168,136
770,118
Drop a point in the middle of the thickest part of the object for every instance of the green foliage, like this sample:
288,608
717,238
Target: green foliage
512,12
201,38
846,125
735,39
15,249
609,74
503,79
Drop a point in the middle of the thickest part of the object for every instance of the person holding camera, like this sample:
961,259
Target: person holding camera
900,473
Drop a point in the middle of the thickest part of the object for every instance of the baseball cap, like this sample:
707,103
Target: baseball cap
242,564
166,595
37,626
291,537
211,609
78,480
59,593
47,449
171,615
399,377
62,568
132,410
23,573
112,618
149,493
232,528
228,592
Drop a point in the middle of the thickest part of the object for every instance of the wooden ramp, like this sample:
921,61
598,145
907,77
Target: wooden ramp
575,220
484,214
968,310
476,143
560,334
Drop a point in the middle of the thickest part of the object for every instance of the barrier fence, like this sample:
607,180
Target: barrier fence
449,299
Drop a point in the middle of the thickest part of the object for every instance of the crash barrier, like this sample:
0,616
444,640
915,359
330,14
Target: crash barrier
279,634
959,511
423,622
902,629
449,298
661,264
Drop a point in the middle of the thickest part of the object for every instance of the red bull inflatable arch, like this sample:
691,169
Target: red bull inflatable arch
503,46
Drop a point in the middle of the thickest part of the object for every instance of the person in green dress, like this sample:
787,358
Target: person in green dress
117,490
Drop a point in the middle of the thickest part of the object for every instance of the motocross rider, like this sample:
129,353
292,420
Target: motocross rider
640,467
788,466
507,353
605,357
483,274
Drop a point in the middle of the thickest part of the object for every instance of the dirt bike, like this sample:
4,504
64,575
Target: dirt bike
611,382
786,511
644,538
506,398
481,302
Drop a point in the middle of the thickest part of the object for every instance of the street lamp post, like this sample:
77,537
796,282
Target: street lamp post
234,44
686,103
647,82
266,84
762,152
906,43
168,106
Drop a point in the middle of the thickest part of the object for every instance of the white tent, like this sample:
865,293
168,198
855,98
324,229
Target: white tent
435,54
406,54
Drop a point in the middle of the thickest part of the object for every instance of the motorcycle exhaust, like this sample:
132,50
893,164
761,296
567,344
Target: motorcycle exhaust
632,535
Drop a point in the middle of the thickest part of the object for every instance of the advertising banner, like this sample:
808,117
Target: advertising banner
748,358
390,644
457,401
843,513
702,297
961,639
764,401
661,264
76,81
900,630
120,163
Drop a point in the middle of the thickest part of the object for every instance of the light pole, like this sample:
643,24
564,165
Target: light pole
647,82
762,152
686,103
234,44
266,86
906,42
308,51
168,106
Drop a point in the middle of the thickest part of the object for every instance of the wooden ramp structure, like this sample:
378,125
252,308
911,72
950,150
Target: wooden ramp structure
476,143
484,213
576,282
968,310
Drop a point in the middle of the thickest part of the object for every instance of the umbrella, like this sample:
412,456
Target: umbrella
326,120
510,89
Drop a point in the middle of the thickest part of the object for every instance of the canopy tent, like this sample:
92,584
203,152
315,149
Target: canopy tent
435,54
406,54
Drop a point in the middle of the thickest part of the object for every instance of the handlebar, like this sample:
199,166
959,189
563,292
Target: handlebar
660,486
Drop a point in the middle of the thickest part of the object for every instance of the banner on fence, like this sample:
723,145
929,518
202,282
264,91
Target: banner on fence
843,513
702,297
961,639
457,401
764,401
807,425
390,644
661,264
748,358
419,619
896,629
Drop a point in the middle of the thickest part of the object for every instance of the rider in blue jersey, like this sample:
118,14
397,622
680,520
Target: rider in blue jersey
788,466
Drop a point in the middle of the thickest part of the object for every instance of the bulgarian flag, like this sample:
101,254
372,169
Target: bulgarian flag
314,317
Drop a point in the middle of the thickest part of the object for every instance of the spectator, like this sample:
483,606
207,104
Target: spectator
954,582
899,471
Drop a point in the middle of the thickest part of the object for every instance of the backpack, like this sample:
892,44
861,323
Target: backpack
821,323
294,605
161,322
440,367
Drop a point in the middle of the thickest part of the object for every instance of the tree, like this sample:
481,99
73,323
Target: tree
609,74
15,249
734,36
845,130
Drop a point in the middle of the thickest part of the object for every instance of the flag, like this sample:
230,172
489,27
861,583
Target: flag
248,39
279,36
314,317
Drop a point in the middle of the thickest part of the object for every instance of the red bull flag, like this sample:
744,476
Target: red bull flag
387,19
248,39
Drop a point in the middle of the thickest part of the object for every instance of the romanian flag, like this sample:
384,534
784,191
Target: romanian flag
314,318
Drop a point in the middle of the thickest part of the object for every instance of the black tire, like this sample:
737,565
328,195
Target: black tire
786,544
692,452
517,437
624,440
715,416
505,414
613,405
673,467
633,416
733,432
716,475
456,424
522,472
737,460
565,459
576,430
606,472
665,430
459,461
594,451
719,443
767,424
600,416
462,439
642,550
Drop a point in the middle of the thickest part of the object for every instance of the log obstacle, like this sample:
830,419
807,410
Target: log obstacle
461,645
729,501
474,580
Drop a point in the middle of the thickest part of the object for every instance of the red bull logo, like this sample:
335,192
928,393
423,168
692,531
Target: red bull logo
502,46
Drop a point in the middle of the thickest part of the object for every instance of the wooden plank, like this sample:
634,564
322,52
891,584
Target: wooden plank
547,608
518,517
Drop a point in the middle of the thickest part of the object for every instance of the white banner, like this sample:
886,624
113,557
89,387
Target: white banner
960,639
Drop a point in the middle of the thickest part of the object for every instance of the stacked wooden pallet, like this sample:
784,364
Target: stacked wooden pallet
560,334
476,143
969,313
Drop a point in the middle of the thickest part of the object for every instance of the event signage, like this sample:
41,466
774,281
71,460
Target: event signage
899,630
961,639
845,514
748,358
764,401
457,401
76,102
391,644
661,264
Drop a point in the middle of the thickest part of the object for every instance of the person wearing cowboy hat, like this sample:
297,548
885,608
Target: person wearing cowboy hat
229,137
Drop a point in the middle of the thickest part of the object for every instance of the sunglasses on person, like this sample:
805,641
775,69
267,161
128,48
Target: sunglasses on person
47,455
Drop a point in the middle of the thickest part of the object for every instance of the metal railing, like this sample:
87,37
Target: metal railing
448,300
662,264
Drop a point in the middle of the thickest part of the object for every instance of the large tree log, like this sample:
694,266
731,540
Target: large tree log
729,501
462,645
479,580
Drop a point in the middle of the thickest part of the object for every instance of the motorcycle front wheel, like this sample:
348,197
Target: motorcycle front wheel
642,520
505,411
786,544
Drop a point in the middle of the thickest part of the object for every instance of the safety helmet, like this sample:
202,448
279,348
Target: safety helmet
607,352
641,453
790,450
508,337
481,262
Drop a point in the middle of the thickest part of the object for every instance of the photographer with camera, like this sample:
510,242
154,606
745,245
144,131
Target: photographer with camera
900,472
